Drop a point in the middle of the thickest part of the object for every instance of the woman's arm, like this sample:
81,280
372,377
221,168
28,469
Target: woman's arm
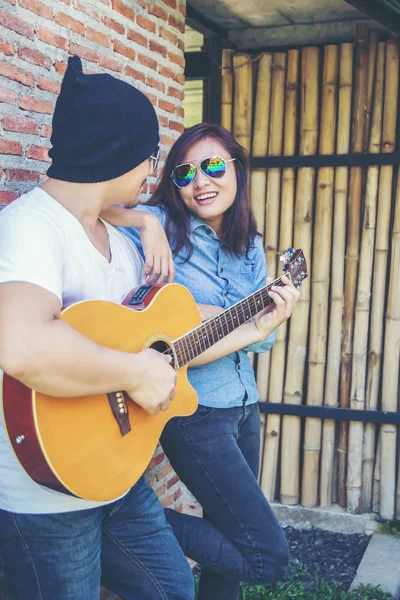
158,256
258,329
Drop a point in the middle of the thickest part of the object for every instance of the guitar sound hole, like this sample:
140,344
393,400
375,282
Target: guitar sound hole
164,348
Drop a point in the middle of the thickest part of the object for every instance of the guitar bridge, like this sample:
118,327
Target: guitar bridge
119,409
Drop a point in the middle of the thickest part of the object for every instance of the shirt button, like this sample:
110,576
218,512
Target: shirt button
226,293
238,367
221,270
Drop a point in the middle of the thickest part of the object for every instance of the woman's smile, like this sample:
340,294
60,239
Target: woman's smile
206,198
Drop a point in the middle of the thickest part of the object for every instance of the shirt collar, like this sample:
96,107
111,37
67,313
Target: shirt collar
196,223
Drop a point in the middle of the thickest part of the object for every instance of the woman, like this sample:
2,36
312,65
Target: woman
203,203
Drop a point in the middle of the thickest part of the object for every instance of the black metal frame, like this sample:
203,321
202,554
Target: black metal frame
379,12
207,64
199,22
330,412
324,160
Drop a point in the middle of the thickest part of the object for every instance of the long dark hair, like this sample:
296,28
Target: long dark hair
239,225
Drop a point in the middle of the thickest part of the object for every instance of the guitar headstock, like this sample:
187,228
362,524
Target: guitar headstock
294,264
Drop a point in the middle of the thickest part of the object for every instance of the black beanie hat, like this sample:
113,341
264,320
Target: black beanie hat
102,127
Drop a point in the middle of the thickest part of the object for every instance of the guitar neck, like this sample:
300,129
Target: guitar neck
215,329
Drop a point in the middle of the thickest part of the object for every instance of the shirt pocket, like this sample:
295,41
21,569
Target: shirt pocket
247,267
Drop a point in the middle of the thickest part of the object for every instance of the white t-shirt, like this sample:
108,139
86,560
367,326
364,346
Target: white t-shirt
44,244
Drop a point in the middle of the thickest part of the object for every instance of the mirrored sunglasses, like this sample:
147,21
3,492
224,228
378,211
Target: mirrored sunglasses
155,157
213,166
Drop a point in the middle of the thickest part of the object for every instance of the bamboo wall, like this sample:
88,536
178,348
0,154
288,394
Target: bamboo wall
342,345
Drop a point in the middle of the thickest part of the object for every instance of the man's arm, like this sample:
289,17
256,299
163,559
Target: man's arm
49,356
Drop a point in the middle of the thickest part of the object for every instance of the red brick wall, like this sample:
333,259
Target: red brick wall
140,41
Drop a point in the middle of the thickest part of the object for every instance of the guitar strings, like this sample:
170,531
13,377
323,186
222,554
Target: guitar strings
212,326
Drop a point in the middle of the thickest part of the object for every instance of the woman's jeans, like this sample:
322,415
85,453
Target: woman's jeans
216,454
127,544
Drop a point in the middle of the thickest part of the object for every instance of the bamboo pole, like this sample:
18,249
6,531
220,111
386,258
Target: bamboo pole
372,57
243,88
272,427
275,149
380,259
390,379
390,376
278,354
285,241
362,309
227,89
352,245
376,490
259,177
368,452
263,361
398,483
297,346
337,275
396,231
321,263
261,137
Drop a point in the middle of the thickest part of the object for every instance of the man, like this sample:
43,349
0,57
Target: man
54,251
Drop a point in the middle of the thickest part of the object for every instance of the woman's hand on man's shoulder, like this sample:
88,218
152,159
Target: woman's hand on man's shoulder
159,267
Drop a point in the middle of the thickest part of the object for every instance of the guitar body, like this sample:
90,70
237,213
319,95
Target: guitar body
74,445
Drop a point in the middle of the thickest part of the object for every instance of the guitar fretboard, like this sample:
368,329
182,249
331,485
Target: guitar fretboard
211,331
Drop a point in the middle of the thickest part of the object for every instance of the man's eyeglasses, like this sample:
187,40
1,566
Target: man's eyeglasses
213,166
156,159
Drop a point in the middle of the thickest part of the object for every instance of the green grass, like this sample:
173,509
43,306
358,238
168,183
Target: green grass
389,528
303,586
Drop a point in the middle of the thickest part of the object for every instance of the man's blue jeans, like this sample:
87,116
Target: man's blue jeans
127,544
216,454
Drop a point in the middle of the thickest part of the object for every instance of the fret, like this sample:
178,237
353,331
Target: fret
256,303
247,309
186,351
177,353
194,345
180,352
198,341
224,318
187,340
210,333
188,343
260,301
241,314
202,338
223,324
234,317
219,328
266,298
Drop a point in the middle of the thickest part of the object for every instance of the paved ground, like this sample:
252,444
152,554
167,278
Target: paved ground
380,564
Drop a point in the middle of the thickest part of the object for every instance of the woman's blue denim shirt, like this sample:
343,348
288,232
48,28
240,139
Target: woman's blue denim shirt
215,276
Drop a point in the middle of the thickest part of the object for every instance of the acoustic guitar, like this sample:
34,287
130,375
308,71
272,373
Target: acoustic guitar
96,447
